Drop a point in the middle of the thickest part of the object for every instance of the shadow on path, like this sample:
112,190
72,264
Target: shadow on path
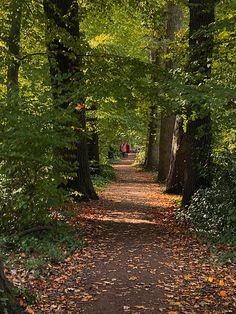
136,259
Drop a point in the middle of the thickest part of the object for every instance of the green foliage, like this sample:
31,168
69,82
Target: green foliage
140,158
33,132
116,76
212,212
29,172
42,247
106,175
28,296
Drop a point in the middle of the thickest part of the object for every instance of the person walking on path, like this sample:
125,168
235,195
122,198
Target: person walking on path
122,149
127,148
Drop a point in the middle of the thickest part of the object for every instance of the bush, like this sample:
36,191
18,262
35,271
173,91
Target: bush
107,174
42,247
140,158
212,211
30,170
212,214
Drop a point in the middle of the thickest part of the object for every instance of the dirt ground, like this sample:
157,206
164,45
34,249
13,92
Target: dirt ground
136,258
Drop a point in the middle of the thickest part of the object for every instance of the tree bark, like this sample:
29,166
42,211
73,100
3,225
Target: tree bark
166,135
152,156
199,133
93,142
175,179
13,42
174,24
152,148
63,30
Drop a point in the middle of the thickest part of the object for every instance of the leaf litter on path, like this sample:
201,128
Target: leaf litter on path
136,259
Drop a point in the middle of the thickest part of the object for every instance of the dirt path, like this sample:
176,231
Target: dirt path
136,259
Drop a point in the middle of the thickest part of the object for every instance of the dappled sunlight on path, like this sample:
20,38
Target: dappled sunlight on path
134,198
136,258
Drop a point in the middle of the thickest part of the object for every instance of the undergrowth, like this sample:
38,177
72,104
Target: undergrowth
105,176
36,250
212,212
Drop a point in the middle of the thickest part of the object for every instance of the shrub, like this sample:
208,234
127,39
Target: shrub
107,174
212,211
30,171
140,158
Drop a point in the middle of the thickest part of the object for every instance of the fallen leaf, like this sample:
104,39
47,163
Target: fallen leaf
222,293
210,279
187,277
29,310
140,307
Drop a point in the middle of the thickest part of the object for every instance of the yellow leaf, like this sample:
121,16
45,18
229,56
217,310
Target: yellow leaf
221,283
178,303
232,280
173,312
187,277
210,279
222,293
29,310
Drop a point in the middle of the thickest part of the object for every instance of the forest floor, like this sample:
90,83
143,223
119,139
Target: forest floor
136,258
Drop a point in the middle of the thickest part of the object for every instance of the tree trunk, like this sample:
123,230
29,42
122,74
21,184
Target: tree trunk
13,42
65,68
175,179
166,135
152,149
174,24
199,133
93,151
152,157
93,141
8,300
83,182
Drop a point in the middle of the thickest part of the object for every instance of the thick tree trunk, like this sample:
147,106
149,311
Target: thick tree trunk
8,302
174,24
166,135
83,182
152,149
198,157
65,67
93,141
152,156
13,42
199,133
175,179
93,150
